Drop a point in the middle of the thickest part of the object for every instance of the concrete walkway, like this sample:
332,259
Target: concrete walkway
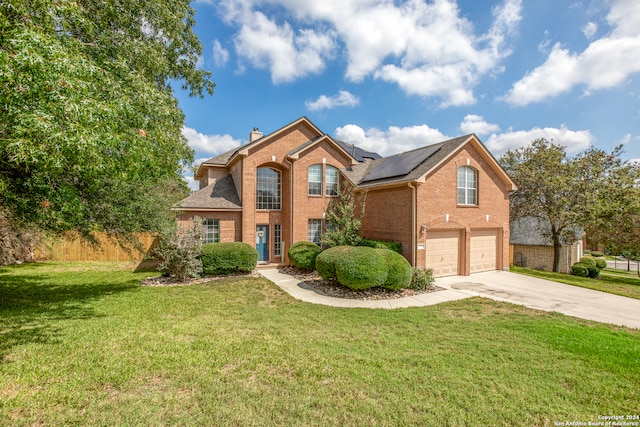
504,286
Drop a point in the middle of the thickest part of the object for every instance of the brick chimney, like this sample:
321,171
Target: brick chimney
255,134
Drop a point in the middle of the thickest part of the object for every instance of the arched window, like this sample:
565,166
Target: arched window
314,176
467,186
268,189
331,181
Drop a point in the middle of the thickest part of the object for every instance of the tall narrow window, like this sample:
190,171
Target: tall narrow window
315,180
467,186
314,231
268,187
331,181
211,230
277,240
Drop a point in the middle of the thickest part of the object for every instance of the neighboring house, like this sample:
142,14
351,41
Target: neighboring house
447,203
533,248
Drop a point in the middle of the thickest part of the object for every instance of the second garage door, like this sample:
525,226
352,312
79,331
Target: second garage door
442,249
484,249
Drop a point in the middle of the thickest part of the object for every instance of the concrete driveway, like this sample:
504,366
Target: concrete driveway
549,296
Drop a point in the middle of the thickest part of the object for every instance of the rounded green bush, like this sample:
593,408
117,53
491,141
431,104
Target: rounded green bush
580,269
382,244
601,263
586,252
303,254
228,257
399,271
597,254
588,260
326,261
361,268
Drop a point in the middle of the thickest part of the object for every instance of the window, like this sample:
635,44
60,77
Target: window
277,240
314,231
211,230
268,189
467,186
331,181
315,180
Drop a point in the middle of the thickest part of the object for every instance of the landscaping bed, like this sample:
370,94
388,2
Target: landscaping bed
333,289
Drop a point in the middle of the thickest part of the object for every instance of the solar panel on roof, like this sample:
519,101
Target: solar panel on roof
401,164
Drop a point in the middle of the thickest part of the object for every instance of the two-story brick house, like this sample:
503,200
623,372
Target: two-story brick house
448,203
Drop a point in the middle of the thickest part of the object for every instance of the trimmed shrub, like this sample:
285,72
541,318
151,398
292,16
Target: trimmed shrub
601,263
398,270
596,254
326,261
586,252
303,254
588,260
382,244
361,268
422,279
580,269
228,257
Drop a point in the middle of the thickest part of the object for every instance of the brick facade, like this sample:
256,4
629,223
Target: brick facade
403,210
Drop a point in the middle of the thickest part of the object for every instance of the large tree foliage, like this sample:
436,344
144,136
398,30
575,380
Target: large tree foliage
594,191
90,132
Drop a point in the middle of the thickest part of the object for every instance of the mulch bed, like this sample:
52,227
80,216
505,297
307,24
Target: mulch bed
333,289
310,279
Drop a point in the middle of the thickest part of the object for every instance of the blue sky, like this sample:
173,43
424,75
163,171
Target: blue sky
392,75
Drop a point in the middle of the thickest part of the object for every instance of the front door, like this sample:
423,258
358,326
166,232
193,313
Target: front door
262,242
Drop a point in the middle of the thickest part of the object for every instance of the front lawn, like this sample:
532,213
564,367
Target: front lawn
613,281
84,344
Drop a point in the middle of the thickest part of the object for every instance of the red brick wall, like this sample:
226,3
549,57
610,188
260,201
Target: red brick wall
230,223
437,197
388,216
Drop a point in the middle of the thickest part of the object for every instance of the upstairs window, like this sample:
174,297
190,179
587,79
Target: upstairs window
467,186
268,189
315,180
331,181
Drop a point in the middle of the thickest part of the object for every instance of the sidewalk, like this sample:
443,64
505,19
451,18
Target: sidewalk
297,289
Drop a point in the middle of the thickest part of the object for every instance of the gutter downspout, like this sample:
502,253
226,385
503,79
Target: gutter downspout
414,222
285,256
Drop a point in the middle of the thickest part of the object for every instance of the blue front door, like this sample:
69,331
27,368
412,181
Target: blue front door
262,242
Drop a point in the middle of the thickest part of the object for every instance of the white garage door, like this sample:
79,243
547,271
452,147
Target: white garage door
484,244
443,249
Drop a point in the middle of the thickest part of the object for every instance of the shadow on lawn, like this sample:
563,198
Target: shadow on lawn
32,304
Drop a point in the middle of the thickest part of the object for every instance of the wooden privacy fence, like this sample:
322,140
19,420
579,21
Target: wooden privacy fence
75,249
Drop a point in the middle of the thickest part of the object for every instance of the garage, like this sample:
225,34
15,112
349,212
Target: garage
484,250
443,252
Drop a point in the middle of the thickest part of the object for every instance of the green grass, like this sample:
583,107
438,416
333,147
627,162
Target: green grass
613,281
84,344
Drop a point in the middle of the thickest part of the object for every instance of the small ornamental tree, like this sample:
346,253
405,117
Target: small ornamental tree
178,250
343,218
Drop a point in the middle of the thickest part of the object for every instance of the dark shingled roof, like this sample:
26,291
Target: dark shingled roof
221,194
356,152
406,166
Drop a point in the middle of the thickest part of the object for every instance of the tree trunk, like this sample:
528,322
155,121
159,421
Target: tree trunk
557,247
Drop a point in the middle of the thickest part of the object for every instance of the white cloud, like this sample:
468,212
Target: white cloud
590,30
209,144
605,63
342,99
191,182
476,124
574,141
399,139
288,54
392,141
426,48
220,54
